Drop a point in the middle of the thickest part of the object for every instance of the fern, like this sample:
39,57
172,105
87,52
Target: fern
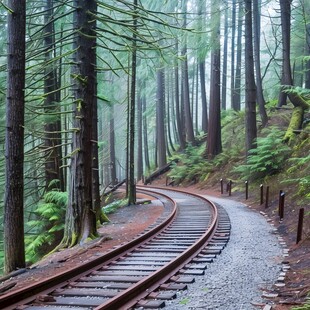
42,232
267,159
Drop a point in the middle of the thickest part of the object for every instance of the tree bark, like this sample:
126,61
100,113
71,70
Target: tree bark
190,137
81,218
52,139
214,145
178,106
224,70
286,79
14,249
236,103
259,86
232,68
250,87
140,146
160,119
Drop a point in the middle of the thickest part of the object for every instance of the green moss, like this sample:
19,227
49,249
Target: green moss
295,123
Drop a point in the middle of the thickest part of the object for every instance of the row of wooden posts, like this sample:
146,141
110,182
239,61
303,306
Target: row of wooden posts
266,201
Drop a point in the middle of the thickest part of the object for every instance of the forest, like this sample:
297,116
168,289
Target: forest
95,92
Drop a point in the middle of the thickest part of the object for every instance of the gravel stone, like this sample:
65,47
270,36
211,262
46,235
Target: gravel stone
248,265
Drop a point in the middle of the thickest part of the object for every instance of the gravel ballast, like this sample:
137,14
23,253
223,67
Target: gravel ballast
249,264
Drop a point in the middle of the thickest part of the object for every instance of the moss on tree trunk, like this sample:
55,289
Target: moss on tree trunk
295,123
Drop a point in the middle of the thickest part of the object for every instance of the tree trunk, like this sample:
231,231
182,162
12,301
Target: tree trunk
145,136
132,111
202,74
232,68
14,249
224,73
214,145
250,88
259,87
236,103
52,141
112,164
286,79
178,107
160,119
81,218
140,146
190,137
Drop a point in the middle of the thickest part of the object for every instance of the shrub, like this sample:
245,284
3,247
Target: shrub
268,158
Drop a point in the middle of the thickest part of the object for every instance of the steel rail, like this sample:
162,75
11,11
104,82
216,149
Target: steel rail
28,294
129,297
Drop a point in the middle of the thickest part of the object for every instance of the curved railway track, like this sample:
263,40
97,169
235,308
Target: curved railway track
143,272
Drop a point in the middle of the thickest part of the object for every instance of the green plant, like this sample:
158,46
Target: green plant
113,206
268,158
48,225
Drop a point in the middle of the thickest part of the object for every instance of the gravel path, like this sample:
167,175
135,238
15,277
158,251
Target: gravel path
250,263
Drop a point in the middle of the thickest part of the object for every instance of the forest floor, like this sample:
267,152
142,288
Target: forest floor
127,222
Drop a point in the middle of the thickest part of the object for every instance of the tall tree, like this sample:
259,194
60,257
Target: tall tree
214,145
14,251
259,85
160,119
178,105
132,108
189,129
250,87
80,216
232,65
202,74
139,138
225,47
236,96
53,162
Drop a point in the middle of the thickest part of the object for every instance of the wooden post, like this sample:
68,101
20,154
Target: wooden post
281,205
267,197
261,194
246,190
229,187
300,224
222,190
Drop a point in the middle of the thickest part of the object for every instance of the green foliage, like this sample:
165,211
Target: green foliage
192,167
303,307
113,206
49,221
268,158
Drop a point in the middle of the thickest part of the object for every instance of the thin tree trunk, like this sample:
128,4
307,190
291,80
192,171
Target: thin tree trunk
160,119
112,164
286,79
145,135
190,137
132,111
236,104
14,249
259,85
232,68
178,105
140,146
250,88
52,140
214,145
224,72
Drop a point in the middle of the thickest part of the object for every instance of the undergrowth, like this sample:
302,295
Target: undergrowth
42,232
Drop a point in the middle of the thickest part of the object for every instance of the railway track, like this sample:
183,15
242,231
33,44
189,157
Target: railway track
146,271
